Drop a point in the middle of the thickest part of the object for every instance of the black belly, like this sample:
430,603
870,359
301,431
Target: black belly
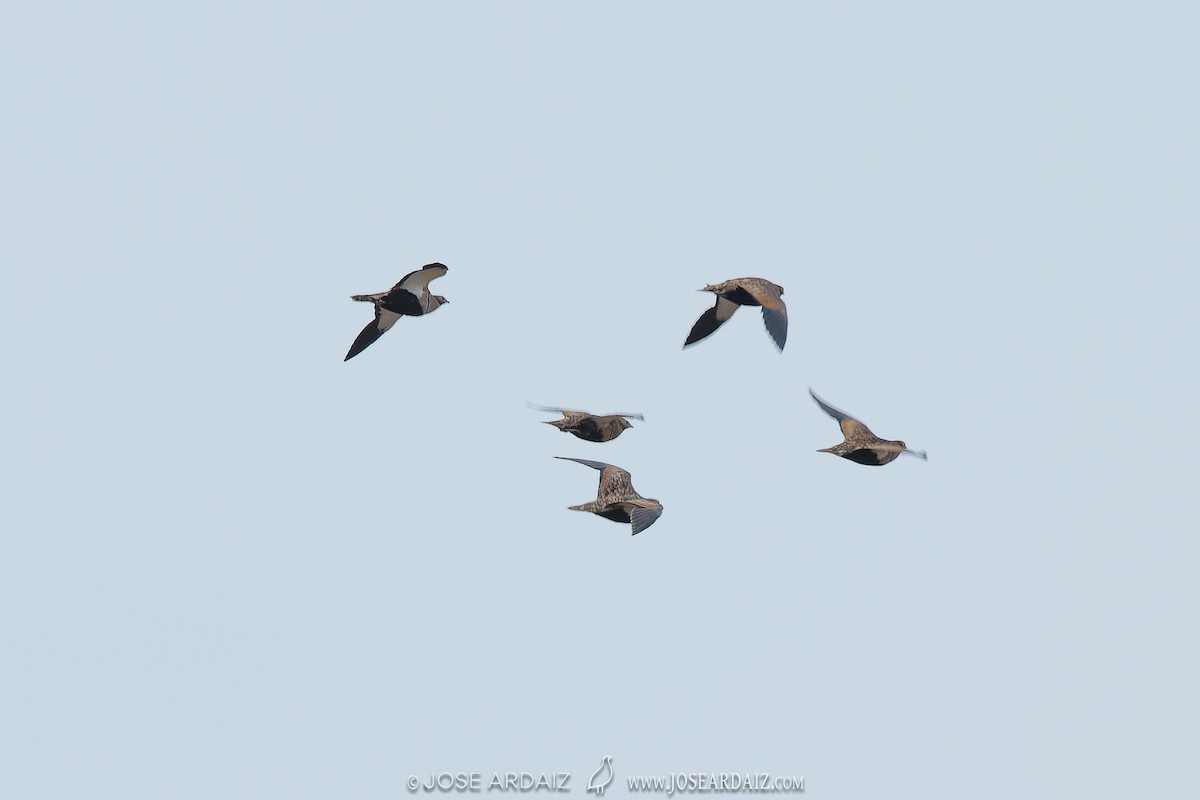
869,457
404,303
587,430
615,514
742,297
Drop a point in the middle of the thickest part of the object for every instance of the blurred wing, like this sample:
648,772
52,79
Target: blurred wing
552,409
377,327
557,410
643,518
710,320
849,425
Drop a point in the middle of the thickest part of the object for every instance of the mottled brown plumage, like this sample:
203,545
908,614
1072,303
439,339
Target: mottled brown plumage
586,426
743,292
860,445
410,297
616,498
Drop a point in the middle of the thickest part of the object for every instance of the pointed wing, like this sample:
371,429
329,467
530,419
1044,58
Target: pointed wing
417,281
384,319
710,320
849,425
642,518
600,465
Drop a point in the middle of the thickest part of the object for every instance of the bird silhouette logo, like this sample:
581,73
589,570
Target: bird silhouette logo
601,778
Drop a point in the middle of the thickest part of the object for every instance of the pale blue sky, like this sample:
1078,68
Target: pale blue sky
233,566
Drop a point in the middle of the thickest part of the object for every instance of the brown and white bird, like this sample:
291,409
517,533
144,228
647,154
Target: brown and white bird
408,298
586,426
616,498
860,445
743,292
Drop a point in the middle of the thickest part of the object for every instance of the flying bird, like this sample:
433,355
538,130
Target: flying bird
408,298
616,498
589,427
743,292
860,445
